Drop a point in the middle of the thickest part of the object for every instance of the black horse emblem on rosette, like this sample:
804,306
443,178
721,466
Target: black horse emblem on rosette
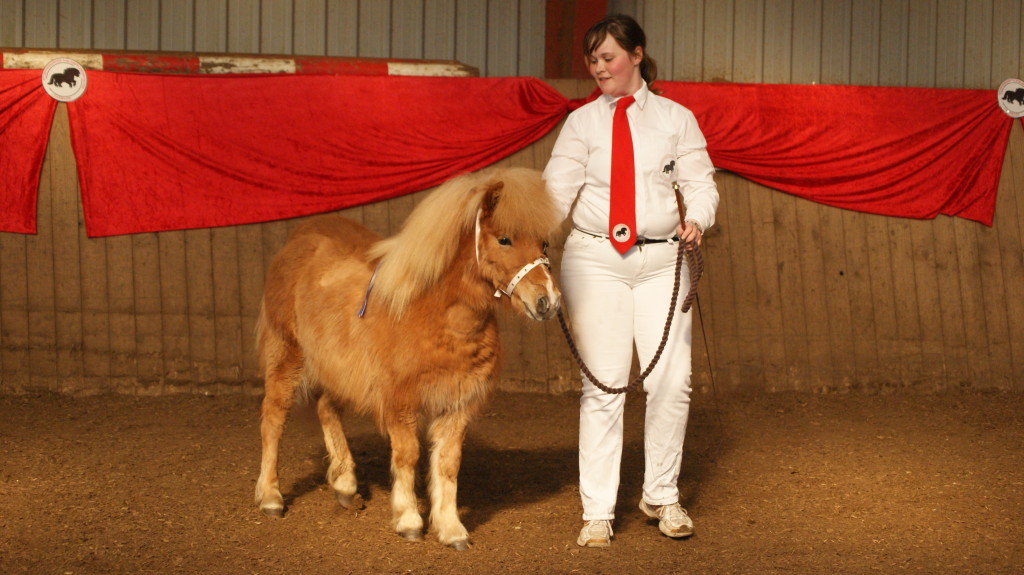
68,76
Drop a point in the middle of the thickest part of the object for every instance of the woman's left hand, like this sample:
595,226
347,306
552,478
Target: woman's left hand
688,231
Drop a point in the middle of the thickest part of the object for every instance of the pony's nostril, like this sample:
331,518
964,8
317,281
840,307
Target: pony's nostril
542,306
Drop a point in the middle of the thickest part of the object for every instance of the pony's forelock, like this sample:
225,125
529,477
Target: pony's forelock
416,257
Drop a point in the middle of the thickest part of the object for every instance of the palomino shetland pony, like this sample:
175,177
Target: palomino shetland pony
425,342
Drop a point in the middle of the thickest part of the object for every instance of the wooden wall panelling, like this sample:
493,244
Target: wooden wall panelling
174,301
1014,165
14,356
149,322
729,253
971,300
836,293
120,303
1011,261
765,270
40,303
863,345
251,276
62,185
736,298
227,304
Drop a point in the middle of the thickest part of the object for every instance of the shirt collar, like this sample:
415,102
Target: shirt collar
640,96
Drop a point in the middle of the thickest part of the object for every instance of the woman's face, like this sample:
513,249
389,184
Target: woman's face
616,71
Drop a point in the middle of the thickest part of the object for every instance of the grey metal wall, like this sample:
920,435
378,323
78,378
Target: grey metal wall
926,43
499,37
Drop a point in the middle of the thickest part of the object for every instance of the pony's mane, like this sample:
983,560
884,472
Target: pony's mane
416,258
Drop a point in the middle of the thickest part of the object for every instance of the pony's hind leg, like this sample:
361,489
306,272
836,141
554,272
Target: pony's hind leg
405,453
447,433
341,473
283,375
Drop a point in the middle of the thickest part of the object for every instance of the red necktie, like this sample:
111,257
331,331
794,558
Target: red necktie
622,212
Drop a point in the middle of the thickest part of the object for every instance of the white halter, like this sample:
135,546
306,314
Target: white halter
522,271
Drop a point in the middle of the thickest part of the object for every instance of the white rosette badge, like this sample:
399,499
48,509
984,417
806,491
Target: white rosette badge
64,79
1011,97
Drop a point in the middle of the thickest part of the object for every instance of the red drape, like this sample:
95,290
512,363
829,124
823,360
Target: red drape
158,152
173,152
25,116
910,152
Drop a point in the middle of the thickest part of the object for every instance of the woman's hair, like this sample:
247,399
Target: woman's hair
629,35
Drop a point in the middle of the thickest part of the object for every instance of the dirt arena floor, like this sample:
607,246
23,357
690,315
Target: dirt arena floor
781,483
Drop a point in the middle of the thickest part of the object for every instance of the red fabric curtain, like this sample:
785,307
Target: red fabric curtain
26,112
172,152
910,152
159,152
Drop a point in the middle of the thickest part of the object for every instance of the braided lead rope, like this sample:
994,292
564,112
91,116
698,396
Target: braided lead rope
695,263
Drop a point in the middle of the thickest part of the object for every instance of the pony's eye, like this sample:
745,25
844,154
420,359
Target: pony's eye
544,248
505,240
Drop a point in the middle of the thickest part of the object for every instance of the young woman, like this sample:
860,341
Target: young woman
618,268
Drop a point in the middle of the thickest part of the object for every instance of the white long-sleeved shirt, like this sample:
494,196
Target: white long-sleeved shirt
667,145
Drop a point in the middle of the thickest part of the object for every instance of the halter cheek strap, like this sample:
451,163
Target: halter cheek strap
519,276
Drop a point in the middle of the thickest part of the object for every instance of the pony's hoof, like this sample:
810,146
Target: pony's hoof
354,502
460,545
411,535
275,512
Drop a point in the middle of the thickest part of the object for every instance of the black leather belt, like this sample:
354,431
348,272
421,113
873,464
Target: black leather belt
639,241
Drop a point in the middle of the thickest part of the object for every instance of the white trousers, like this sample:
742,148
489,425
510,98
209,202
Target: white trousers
614,302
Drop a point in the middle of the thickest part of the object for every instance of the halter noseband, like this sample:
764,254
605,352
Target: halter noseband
522,271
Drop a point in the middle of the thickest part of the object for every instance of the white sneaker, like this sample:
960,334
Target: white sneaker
673,519
596,533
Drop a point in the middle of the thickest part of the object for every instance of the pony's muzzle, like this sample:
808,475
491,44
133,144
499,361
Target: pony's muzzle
546,306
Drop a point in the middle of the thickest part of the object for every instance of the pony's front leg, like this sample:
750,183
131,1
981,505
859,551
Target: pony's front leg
405,453
447,433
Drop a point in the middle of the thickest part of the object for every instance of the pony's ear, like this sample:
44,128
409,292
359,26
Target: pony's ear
492,195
